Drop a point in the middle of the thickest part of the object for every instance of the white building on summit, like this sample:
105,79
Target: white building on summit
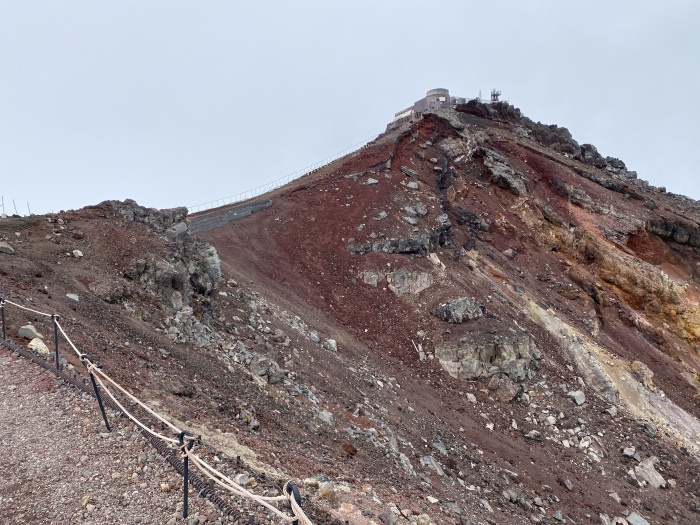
434,99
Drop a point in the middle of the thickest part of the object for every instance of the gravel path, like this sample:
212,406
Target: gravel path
59,466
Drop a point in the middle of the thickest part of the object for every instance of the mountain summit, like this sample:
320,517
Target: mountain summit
472,319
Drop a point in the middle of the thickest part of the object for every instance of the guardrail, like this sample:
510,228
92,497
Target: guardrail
250,194
180,440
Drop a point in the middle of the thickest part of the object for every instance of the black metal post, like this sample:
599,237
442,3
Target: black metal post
293,491
185,485
55,338
97,394
2,309
185,472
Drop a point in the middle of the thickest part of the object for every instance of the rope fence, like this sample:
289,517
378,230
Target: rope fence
184,441
249,194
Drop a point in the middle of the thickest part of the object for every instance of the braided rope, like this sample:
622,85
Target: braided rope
298,511
97,371
129,414
234,487
60,328
202,465
28,309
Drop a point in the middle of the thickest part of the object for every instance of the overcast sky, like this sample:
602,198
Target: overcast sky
177,103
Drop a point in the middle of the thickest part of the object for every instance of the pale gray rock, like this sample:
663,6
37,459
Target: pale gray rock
371,182
459,310
534,435
178,232
326,417
409,220
431,463
38,346
406,464
29,332
645,471
404,281
577,396
73,297
409,172
636,519
412,185
6,248
484,354
77,254
440,447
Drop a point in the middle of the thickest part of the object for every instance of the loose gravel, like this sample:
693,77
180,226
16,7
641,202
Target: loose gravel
60,466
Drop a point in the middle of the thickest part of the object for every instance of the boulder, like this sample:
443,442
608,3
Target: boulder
6,248
178,232
29,332
636,519
404,281
645,471
482,354
577,396
459,310
38,346
409,172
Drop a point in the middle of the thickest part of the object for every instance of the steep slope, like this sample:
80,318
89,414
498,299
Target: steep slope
552,239
473,318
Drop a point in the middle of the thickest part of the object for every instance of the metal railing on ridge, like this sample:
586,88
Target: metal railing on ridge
278,183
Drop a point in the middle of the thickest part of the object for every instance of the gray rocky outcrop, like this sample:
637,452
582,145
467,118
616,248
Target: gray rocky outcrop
421,244
459,310
158,220
402,281
481,354
500,171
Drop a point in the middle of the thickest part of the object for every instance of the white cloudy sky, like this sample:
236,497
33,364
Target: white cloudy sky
175,103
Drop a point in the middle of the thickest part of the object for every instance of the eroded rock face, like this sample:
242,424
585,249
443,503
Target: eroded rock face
159,220
192,266
483,354
502,174
422,243
402,282
459,310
